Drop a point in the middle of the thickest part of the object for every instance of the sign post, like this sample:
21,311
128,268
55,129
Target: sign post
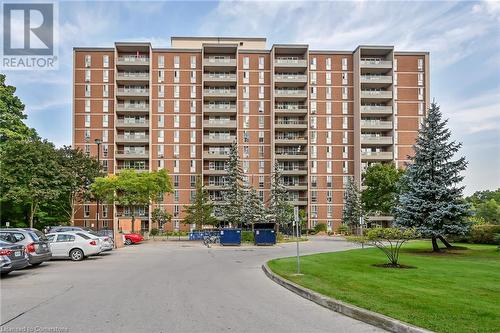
296,224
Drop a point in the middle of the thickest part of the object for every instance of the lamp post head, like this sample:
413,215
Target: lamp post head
98,141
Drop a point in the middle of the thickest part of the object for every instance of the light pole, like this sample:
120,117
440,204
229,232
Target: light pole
98,143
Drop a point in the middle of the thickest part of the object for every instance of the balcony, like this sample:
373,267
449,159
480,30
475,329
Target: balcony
132,138
299,201
299,171
376,156
220,93
219,77
219,123
290,62
299,186
132,108
132,61
141,169
379,95
208,171
223,109
376,80
375,63
376,124
124,154
216,187
216,155
290,155
219,139
123,92
290,78
290,110
290,141
219,62
376,109
290,124
124,123
290,93
376,140
132,76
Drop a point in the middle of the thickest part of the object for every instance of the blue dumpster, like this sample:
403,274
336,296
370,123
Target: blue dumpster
264,237
230,237
201,234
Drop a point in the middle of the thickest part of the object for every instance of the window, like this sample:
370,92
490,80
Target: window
177,120
345,108
88,60
328,92
246,121
420,79
176,166
328,107
192,151
177,61
261,63
176,135
87,90
345,138
261,77
193,91
345,152
314,107
105,105
193,61
192,181
246,92
314,166
193,137
193,76
261,136
193,122
86,211
345,78
261,121
420,108
161,76
161,121
314,151
344,64
261,92
87,120
161,91
314,77
105,61
314,181
105,76
246,62
328,122
246,77
313,92
313,63
161,61
329,137
345,167
261,151
329,168
192,106
420,64
176,76
161,106
329,181
328,78
246,151
329,150
246,136
161,151
105,136
420,94
328,64
87,75
395,78
65,238
105,90
87,135
313,136
261,106
246,107
87,105
193,166
329,196
177,105
314,123
105,120
345,93
345,122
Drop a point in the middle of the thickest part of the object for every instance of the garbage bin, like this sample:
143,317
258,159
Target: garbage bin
230,237
264,236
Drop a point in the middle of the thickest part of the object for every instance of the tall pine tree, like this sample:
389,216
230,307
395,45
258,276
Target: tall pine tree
431,198
253,210
233,195
279,206
353,207
200,211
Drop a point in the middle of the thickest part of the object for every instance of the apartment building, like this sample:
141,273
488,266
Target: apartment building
322,116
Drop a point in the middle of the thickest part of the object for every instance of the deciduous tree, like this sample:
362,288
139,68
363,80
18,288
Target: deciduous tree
381,182
200,211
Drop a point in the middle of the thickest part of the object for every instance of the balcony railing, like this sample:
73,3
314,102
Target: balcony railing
290,62
291,93
376,124
376,109
219,139
290,78
132,138
132,92
381,155
132,76
382,140
219,123
132,122
291,122
219,77
376,79
219,61
376,94
220,92
131,154
375,63
133,60
132,107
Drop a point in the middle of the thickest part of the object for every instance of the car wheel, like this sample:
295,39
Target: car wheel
128,241
76,254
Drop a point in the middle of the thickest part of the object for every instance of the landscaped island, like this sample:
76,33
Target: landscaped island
455,291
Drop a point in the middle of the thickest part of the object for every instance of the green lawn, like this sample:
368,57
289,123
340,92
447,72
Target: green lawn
454,292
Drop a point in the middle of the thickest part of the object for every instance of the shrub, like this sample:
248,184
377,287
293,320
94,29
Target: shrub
320,227
154,232
484,233
343,229
308,231
247,237
279,237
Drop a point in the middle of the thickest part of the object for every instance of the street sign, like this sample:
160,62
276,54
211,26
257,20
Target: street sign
296,213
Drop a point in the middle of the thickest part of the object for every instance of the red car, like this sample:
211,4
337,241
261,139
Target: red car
132,238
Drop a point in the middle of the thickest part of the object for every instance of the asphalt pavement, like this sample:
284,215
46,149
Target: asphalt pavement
167,287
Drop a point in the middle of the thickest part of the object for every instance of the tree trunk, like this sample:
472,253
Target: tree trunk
435,246
445,242
133,224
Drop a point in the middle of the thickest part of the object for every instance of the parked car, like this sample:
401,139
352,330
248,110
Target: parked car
107,243
132,238
35,243
65,228
12,257
105,232
72,245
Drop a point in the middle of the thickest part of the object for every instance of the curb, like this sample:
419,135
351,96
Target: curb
369,317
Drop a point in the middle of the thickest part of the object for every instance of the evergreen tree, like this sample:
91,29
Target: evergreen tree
253,208
279,206
233,195
200,212
431,199
353,207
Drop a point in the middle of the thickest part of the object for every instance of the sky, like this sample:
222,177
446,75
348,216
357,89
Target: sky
463,39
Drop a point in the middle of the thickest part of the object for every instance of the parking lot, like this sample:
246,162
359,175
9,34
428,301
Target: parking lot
167,287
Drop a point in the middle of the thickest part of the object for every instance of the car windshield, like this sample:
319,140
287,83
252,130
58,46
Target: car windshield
38,236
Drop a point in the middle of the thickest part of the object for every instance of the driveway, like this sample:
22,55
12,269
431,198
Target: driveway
168,287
